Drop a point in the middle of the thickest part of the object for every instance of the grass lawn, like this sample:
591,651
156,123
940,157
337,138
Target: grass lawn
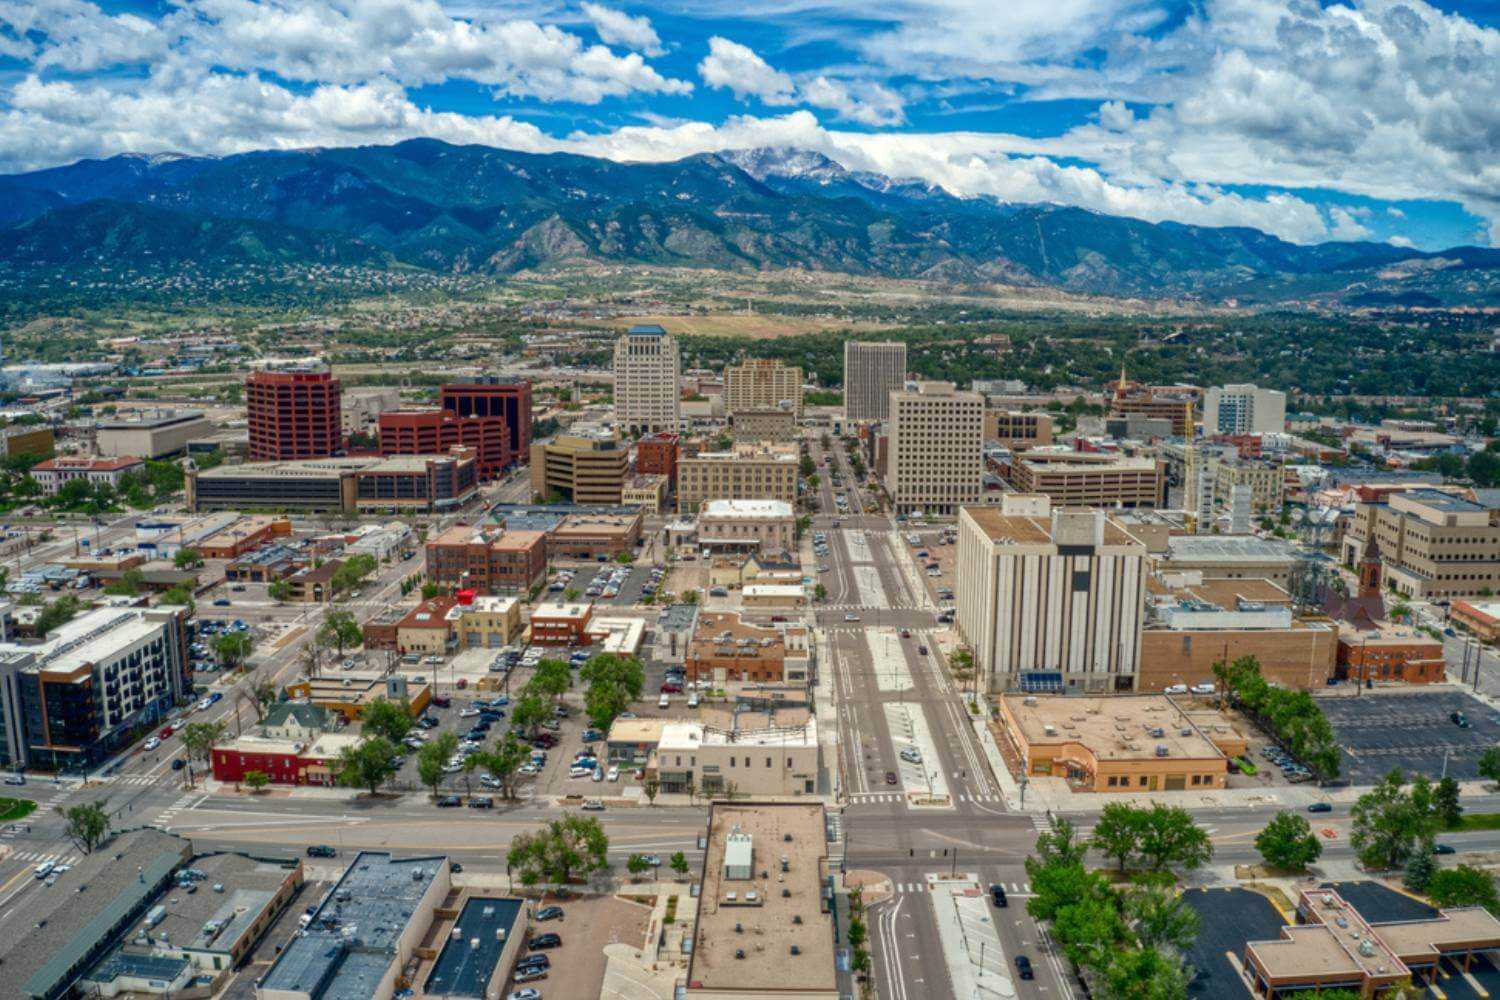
1478,821
15,809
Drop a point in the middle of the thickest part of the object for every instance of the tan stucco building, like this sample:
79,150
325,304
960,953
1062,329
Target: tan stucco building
762,384
761,471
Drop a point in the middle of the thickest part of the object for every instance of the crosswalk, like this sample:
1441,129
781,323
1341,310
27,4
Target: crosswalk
862,798
139,780
919,888
183,802
37,857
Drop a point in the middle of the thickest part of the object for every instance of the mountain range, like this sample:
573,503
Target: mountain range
475,209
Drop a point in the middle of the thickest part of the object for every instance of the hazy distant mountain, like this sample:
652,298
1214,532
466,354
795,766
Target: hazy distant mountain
433,205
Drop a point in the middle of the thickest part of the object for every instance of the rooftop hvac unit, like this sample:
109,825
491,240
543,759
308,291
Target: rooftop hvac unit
1162,750
796,950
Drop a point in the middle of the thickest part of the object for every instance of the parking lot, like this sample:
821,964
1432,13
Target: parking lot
605,583
932,550
587,925
1410,730
1227,918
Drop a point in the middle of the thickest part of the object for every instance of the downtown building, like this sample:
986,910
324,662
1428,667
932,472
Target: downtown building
488,398
648,394
1050,600
1243,409
763,471
583,465
872,371
760,384
934,458
293,415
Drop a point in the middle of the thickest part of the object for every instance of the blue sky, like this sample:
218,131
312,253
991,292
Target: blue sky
1357,119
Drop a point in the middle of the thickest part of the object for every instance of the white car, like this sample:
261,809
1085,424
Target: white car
153,743
204,704
468,713
580,772
1176,689
528,769
614,772
851,617
1203,689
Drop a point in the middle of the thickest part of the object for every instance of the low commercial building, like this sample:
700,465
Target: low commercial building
151,433
380,631
631,742
561,624
406,483
1387,651
770,753
491,560
1334,947
763,926
589,536
1230,557
1144,743
1192,623
54,473
726,649
646,491
243,535
769,525
1480,618
348,693
674,632
1090,479
283,760
770,424
487,622
428,628
773,596
762,471
265,564
313,584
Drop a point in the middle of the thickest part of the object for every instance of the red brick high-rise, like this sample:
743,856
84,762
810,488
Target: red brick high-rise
657,453
433,432
293,415
487,396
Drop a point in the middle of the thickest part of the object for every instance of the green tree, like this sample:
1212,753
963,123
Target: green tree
1170,837
571,594
128,585
279,591
530,712
199,738
368,764
1089,929
352,572
340,630
504,762
1061,845
389,719
637,864
1143,974
1117,834
87,824
1287,842
551,680
257,780
1445,802
651,787
179,594
1389,823
1489,764
624,559
679,863
1160,919
430,590
564,848
1463,886
1419,871
433,757
187,558
232,649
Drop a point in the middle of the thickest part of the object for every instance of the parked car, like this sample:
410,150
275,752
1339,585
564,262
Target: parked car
481,802
542,941
15,779
1320,807
593,805
535,960
525,994
528,974
449,802
549,913
1443,849
321,851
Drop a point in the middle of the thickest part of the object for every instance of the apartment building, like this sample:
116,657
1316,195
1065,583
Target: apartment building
763,471
648,396
762,384
872,371
1243,409
489,560
765,425
69,702
586,465
293,415
1090,479
1017,429
1432,545
1266,482
1050,600
935,461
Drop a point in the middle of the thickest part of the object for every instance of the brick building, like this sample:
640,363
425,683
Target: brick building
490,560
657,454
488,396
726,649
1388,652
559,624
434,432
293,415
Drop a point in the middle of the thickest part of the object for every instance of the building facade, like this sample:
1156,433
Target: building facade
402,483
586,465
1017,429
1433,545
656,455
872,371
488,398
150,434
491,561
762,384
648,372
1266,482
1050,601
1243,409
293,415
767,525
54,472
765,425
935,460
435,432
1090,479
762,471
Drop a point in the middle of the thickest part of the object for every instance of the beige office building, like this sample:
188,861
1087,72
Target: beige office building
1017,429
762,471
762,384
935,455
1090,479
765,425
151,433
767,525
1433,545
584,465
648,393
1265,480
872,371
1049,599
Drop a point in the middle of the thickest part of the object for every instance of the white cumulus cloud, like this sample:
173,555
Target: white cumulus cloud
615,27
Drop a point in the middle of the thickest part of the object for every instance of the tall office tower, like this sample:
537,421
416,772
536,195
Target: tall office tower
648,394
872,371
488,396
1050,600
935,461
1243,409
293,415
762,384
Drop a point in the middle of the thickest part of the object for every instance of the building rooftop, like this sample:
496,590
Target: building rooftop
747,509
637,730
1448,503
559,609
462,969
1127,727
677,617
431,613
647,330
747,929
1229,548
91,637
146,419
210,919
725,634
348,948
1016,529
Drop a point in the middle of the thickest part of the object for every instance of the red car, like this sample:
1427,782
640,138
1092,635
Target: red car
442,701
166,732
670,688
